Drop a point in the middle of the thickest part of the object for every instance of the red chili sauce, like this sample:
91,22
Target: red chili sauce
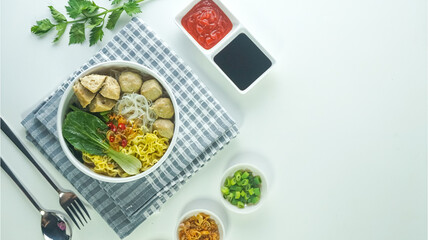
207,23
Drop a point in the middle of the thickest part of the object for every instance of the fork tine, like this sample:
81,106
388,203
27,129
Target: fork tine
72,218
83,207
78,210
71,207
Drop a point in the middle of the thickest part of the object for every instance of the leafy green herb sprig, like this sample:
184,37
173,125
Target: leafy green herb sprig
85,14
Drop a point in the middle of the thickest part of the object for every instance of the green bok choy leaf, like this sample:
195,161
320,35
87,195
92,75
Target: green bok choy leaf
86,133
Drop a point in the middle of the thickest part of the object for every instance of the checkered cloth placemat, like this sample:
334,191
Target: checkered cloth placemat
206,128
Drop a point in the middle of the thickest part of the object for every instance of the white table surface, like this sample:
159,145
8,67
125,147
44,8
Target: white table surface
341,120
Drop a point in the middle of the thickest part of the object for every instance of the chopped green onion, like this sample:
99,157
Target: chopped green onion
243,182
257,191
228,182
225,190
243,194
238,178
257,180
230,197
256,200
251,191
242,188
237,195
236,188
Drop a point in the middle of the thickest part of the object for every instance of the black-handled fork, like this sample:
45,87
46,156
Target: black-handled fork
67,199
54,225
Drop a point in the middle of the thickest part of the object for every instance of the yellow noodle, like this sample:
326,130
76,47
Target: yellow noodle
147,147
103,165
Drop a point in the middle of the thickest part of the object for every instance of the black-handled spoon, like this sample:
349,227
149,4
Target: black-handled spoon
54,225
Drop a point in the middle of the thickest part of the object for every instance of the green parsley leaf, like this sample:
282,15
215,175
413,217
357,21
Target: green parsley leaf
60,27
77,33
112,19
59,17
90,7
73,8
96,35
131,8
42,27
85,14
76,7
95,21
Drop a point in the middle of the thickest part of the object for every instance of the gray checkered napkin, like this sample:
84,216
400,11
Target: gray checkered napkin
206,128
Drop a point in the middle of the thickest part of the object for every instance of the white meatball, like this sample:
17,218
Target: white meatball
163,108
151,89
130,82
164,127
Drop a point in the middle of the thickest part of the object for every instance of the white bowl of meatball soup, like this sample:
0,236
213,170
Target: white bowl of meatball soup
118,121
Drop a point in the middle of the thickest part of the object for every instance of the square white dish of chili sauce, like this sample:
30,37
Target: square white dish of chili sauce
225,42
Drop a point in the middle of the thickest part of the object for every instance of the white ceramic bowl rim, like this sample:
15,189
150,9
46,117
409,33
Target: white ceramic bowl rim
68,95
193,212
257,172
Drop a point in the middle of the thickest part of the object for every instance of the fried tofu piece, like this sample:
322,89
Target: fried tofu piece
130,82
101,104
164,127
151,89
83,95
93,82
110,89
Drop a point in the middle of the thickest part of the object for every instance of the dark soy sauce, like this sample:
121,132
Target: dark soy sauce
242,61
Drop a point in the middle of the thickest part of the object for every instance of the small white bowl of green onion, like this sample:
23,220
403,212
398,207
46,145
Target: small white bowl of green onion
243,188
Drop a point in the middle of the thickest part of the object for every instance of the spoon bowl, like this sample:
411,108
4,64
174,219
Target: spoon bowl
55,226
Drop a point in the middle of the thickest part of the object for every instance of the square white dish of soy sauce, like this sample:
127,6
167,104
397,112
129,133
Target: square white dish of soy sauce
236,54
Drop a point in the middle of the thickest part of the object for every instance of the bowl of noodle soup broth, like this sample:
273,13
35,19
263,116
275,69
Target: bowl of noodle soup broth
69,98
194,213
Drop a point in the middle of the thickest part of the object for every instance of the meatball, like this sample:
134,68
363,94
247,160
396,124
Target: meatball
164,127
151,89
163,108
130,82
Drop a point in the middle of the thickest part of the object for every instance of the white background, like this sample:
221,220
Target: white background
341,121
